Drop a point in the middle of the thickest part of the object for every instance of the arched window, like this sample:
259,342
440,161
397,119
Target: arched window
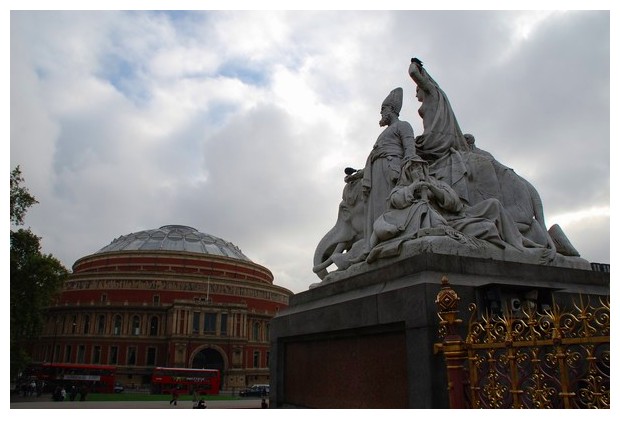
154,325
101,324
135,325
118,323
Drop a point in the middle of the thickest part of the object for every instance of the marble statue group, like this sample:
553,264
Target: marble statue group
436,192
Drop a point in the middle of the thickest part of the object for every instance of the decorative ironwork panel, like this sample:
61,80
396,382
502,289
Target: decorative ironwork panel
551,359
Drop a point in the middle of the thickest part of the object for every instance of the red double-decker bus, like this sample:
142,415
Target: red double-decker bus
186,380
98,378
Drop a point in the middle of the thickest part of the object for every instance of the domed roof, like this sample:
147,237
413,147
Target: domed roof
178,238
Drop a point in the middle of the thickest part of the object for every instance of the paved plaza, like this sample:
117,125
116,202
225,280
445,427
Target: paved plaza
44,403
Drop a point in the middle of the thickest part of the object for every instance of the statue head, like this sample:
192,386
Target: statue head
391,106
419,94
394,100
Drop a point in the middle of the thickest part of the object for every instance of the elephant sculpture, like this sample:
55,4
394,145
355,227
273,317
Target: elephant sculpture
345,241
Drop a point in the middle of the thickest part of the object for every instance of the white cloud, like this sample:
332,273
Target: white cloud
240,123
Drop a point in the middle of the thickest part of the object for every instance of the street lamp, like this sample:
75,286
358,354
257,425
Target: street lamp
188,352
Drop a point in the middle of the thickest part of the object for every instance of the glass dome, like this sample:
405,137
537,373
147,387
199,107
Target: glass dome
178,238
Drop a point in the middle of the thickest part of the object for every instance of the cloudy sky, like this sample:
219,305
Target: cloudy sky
240,123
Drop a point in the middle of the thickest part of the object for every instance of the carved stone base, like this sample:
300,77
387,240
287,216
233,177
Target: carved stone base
366,340
390,252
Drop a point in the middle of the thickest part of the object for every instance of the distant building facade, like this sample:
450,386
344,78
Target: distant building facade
170,297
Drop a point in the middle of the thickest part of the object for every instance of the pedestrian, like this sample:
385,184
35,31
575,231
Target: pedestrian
83,392
175,396
63,394
57,395
263,403
73,393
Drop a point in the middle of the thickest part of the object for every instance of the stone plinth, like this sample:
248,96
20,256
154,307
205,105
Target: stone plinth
366,341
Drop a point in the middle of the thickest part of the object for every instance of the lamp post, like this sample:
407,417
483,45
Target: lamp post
189,352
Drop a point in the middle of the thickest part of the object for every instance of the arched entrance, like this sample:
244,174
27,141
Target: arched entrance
208,358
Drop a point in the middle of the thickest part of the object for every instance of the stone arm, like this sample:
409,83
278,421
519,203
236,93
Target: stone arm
404,196
444,196
419,76
405,132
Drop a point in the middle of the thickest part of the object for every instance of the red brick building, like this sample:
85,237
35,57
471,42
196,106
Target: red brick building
171,297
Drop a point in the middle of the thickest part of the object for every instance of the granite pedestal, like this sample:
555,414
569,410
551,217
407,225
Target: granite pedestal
366,341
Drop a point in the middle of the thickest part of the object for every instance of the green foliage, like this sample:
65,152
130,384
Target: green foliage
35,278
21,200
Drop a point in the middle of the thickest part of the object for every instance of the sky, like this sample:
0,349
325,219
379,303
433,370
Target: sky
240,123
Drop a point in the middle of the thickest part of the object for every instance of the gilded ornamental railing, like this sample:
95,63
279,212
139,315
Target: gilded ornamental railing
553,359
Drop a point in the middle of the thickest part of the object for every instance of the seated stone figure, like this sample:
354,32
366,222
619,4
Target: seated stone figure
421,206
410,209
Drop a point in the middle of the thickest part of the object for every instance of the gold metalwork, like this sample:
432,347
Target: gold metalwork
448,302
553,359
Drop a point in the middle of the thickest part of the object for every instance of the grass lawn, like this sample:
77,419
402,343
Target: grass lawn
130,396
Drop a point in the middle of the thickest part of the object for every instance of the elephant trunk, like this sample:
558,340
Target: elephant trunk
335,241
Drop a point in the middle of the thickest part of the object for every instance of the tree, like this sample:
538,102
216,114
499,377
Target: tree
21,200
35,278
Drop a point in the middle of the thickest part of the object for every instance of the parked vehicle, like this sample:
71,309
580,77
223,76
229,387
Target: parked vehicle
119,388
186,381
99,378
256,390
